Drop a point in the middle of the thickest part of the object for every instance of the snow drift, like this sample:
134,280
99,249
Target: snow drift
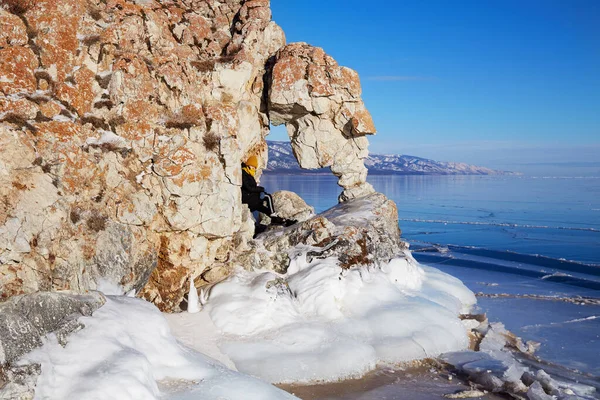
127,352
321,322
317,322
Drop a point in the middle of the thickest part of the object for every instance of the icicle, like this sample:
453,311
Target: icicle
193,306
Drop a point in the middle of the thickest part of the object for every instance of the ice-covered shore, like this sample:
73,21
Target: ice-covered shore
339,309
317,322
125,350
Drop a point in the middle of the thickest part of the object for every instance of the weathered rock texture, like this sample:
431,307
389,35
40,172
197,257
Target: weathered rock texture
320,104
122,127
25,320
359,232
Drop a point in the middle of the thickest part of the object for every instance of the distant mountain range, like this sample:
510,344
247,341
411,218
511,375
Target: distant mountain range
282,160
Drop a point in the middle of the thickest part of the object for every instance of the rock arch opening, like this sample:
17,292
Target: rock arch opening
320,104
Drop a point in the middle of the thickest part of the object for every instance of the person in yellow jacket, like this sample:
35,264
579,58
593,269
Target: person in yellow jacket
255,196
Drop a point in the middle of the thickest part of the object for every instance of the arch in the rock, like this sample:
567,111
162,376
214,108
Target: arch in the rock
319,102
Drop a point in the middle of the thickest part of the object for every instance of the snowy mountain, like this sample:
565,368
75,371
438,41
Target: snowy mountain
281,159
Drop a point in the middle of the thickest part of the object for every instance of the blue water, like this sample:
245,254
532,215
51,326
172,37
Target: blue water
519,236
553,217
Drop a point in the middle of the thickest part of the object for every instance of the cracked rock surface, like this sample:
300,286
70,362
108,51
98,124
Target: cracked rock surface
25,320
122,128
320,104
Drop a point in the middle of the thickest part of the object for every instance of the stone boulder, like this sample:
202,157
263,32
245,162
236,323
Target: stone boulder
24,323
290,206
320,104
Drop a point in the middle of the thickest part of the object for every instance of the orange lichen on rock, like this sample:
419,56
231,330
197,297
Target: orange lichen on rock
12,30
80,94
50,109
165,286
56,24
198,29
19,108
141,111
17,66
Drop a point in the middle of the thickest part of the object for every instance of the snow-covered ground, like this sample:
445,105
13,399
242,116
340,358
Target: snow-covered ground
317,322
320,322
127,350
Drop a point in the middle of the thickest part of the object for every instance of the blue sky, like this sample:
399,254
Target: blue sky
498,83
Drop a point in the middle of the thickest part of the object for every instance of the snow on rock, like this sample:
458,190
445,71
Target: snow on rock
108,139
25,320
323,322
360,231
127,352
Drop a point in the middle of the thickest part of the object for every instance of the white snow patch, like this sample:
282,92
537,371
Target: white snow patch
320,322
198,332
62,118
53,72
127,352
109,288
139,178
107,137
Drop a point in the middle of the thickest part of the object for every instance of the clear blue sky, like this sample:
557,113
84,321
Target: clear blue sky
495,83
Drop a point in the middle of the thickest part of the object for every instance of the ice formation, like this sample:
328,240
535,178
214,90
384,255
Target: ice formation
495,368
127,352
193,302
321,322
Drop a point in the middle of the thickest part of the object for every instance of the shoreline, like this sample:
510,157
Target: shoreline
425,380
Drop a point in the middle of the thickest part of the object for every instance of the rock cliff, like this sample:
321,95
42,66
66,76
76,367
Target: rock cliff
122,127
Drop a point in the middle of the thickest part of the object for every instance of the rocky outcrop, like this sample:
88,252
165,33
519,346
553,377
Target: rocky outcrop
25,320
122,127
320,104
123,124
359,232
24,323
